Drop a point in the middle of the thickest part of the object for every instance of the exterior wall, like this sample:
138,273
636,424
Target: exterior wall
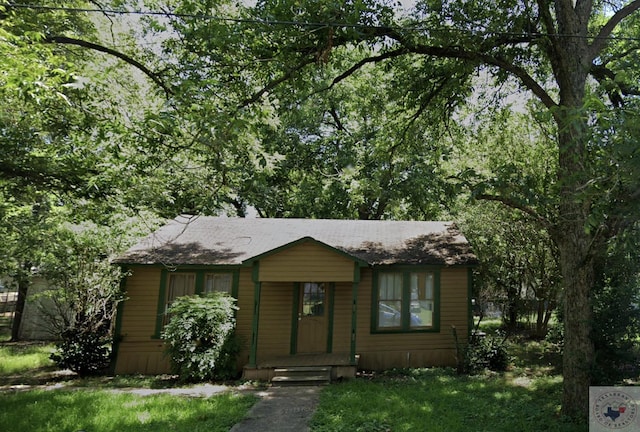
385,351
306,262
138,350
39,311
274,327
342,318
244,315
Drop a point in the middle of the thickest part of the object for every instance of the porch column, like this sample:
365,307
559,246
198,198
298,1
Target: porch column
255,276
354,312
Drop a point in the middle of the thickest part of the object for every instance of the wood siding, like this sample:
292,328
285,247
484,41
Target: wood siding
274,326
140,352
385,351
342,318
306,262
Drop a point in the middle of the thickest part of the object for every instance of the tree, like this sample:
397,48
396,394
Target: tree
568,55
350,152
564,53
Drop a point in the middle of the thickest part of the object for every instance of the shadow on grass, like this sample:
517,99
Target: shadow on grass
101,411
438,400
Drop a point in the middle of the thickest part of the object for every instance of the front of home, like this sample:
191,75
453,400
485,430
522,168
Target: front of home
352,294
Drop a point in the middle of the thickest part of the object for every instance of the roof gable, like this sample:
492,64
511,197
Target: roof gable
204,240
303,240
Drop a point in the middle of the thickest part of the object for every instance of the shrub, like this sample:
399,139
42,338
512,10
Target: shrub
482,352
83,352
200,337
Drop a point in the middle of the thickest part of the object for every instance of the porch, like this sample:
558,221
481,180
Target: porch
336,365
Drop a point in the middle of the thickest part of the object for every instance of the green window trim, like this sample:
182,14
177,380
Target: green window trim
199,289
405,326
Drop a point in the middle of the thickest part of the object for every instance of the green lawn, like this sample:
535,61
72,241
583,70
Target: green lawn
526,398
24,358
438,400
104,411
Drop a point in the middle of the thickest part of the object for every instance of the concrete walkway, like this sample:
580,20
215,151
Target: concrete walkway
281,409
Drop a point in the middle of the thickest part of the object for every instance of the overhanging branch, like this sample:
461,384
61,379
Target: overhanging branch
481,57
601,39
127,59
518,206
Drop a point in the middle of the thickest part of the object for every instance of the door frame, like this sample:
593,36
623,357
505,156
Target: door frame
295,310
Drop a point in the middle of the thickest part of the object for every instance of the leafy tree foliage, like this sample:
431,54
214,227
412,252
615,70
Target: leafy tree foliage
83,289
230,77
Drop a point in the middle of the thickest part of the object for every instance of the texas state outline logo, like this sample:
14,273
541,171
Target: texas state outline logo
614,409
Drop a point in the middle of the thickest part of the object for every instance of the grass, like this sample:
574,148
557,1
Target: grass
90,404
23,358
104,411
525,398
438,400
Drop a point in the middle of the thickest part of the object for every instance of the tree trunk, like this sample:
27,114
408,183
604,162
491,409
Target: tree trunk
578,356
576,263
23,289
571,61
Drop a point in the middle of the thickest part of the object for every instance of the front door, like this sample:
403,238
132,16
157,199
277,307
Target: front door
312,318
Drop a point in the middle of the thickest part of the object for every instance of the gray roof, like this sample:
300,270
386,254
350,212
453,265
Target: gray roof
204,240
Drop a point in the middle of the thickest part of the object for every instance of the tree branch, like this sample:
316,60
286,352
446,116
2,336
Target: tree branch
273,84
458,53
516,205
361,63
133,62
601,39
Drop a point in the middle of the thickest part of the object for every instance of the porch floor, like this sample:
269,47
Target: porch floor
302,360
338,365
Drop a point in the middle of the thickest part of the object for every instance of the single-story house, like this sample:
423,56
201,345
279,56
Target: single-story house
351,294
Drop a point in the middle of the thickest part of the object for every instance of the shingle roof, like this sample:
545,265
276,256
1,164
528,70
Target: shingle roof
204,240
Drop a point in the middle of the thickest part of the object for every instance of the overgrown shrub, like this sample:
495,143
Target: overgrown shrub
482,352
83,352
200,337
83,294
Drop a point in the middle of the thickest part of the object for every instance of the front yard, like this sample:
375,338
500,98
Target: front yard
526,398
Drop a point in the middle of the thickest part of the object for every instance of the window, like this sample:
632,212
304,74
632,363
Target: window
390,300
406,301
422,300
218,282
313,299
174,284
178,285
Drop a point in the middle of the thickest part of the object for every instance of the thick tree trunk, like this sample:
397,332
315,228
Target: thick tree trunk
578,277
574,242
23,289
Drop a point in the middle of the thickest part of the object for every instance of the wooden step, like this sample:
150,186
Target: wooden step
307,375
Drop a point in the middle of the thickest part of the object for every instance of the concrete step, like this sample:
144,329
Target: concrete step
308,375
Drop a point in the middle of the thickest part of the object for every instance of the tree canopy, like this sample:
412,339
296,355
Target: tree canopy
351,109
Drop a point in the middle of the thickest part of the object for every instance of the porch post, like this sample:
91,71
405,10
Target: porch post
354,312
255,276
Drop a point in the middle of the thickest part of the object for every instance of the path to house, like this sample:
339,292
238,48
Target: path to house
280,409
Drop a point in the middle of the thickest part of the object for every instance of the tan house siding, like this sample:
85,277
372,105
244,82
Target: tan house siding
342,317
384,351
137,350
306,262
274,326
140,352
244,316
